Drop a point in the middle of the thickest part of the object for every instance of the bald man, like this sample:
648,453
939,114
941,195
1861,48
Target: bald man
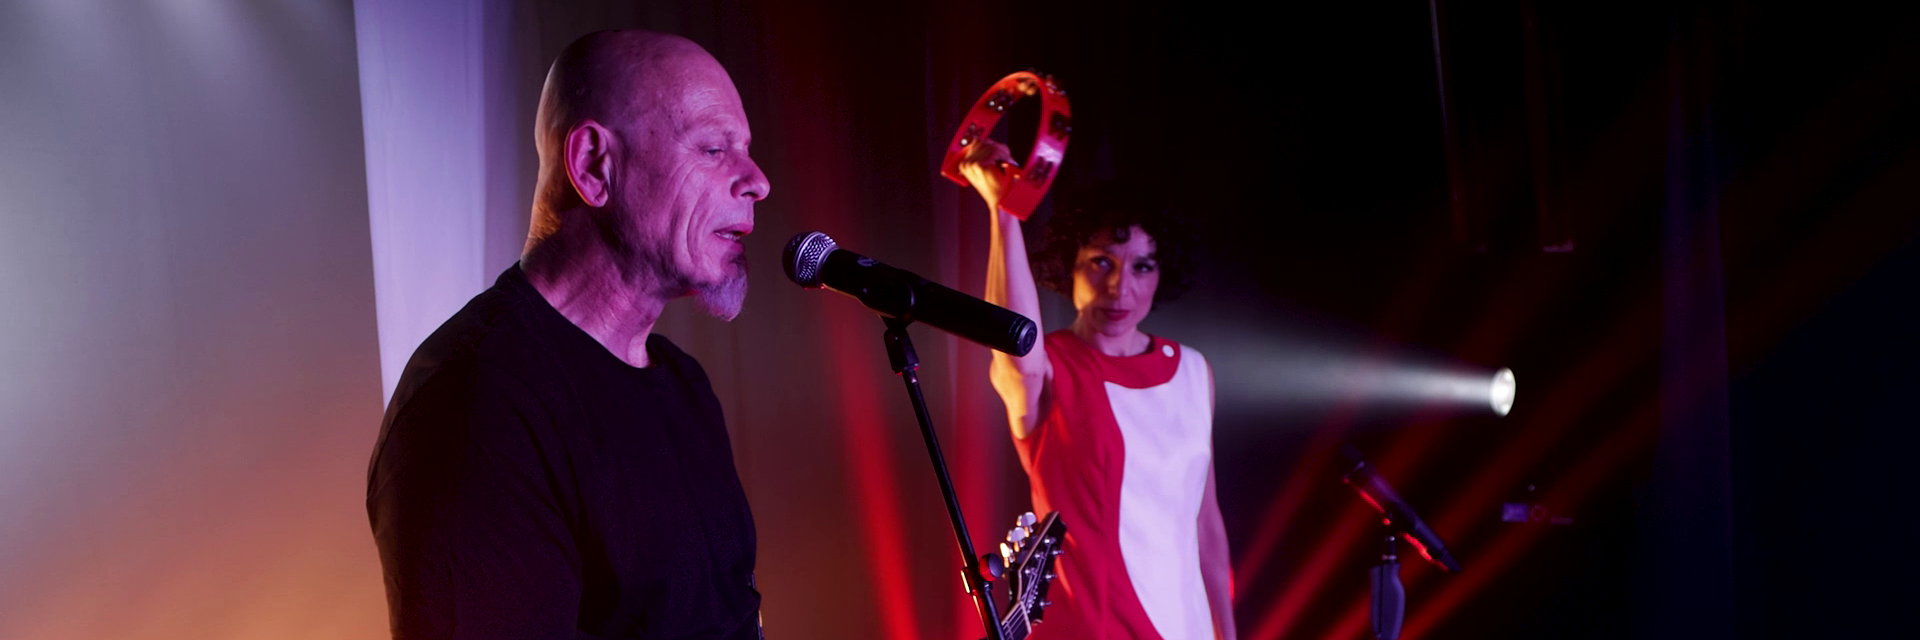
549,467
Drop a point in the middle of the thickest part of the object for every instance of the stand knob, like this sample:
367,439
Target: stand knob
992,567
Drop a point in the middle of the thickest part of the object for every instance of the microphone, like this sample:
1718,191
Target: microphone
813,260
1374,489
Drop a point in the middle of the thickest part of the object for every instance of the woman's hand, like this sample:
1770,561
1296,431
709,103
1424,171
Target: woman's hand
989,167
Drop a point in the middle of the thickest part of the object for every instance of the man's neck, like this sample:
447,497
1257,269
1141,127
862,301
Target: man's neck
586,286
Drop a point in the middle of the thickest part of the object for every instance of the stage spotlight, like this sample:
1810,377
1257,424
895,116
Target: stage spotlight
1501,394
1312,380
1472,391
1283,371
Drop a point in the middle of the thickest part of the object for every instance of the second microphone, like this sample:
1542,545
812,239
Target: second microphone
814,260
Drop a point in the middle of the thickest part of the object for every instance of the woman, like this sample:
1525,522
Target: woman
1114,426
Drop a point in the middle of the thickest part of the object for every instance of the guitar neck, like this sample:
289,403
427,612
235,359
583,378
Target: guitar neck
1029,571
1014,624
1015,629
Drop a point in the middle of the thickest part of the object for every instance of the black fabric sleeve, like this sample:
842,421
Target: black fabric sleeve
467,511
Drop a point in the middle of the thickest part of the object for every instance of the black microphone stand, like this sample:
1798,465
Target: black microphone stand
907,364
1389,603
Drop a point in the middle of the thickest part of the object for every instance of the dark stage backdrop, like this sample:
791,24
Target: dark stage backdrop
224,217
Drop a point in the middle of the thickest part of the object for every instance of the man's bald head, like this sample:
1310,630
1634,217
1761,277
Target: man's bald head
644,169
601,74
615,78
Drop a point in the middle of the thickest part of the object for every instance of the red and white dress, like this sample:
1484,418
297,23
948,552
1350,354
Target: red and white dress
1122,453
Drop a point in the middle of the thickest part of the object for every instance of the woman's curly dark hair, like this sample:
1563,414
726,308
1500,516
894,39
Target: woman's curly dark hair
1084,211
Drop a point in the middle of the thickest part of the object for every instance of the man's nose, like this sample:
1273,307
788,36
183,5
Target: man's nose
752,183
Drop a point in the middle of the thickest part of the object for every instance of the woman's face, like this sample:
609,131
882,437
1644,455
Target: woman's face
1114,282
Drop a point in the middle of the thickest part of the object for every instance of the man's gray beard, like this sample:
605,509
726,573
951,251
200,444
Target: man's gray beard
725,298
722,299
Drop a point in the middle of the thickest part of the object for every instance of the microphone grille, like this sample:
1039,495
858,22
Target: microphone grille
804,255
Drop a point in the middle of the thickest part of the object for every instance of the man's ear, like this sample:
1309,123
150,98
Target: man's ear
588,157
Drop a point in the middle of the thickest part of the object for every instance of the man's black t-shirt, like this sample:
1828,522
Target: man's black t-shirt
529,484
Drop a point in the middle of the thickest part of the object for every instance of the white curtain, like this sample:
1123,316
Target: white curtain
422,96
189,379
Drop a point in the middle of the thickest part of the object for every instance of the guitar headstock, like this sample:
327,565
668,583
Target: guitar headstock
1028,555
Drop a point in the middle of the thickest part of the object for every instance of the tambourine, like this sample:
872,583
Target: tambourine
1029,182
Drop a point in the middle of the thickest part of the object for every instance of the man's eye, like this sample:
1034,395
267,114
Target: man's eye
1100,262
714,151
1145,267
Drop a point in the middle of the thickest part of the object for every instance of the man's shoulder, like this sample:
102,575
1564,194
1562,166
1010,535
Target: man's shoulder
466,381
487,345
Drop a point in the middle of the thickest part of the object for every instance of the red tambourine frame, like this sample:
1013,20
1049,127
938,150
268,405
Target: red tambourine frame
1032,178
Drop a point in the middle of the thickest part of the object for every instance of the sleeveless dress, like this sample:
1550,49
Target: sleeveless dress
1122,453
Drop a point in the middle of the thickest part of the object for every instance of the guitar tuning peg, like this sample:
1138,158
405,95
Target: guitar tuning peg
1017,536
1026,519
1007,552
